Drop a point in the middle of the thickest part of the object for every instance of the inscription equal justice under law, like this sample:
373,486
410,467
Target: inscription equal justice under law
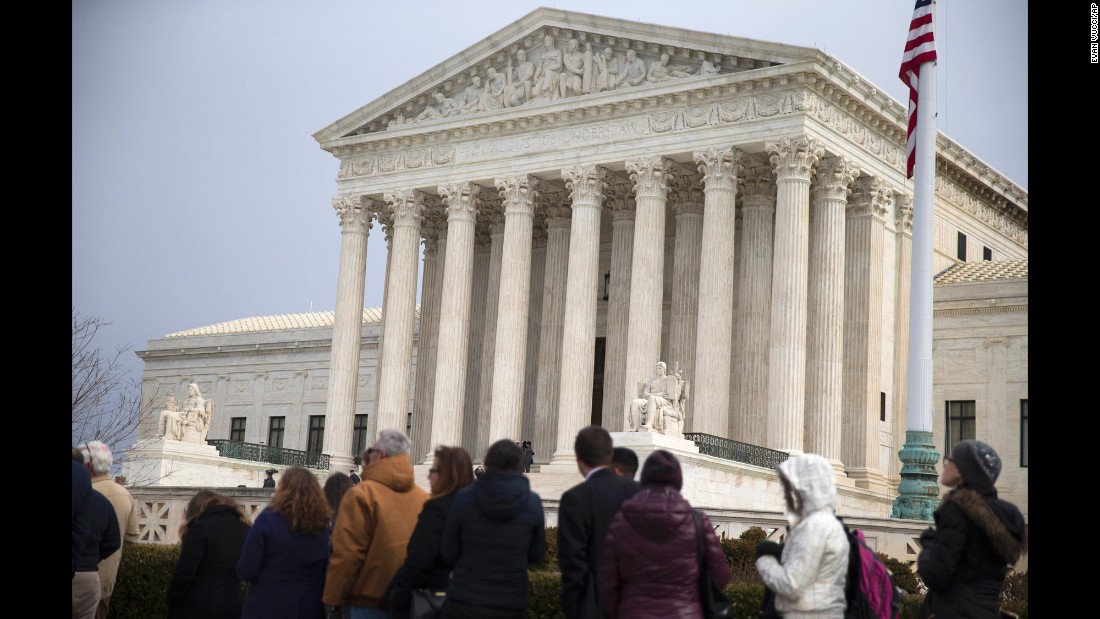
553,139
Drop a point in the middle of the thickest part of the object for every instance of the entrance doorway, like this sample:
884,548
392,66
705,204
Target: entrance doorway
597,383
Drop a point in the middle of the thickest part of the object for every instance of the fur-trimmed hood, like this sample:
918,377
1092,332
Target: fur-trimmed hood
1001,522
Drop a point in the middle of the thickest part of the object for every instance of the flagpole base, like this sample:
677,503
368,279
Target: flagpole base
918,492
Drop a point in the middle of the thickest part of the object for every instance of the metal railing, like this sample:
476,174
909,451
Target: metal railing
272,455
733,450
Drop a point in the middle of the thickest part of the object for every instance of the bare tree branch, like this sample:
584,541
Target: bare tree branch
106,399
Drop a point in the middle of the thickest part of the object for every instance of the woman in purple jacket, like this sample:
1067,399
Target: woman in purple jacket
649,566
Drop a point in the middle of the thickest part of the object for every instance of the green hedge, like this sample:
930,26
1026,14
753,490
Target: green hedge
146,571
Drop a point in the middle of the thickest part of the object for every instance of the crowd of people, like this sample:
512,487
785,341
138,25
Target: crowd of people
379,547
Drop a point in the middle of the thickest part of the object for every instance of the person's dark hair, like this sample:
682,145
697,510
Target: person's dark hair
203,500
299,497
456,470
593,446
504,456
479,471
626,461
663,469
78,456
335,487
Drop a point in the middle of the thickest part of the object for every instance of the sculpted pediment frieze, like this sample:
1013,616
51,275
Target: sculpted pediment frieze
556,56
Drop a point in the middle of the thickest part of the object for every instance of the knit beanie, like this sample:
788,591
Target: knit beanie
663,468
978,464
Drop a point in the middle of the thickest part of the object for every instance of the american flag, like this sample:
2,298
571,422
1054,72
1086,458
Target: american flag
920,48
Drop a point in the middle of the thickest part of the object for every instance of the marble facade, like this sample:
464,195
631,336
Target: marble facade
741,211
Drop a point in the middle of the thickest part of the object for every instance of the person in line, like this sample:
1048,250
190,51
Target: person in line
285,555
425,568
204,582
82,491
101,541
372,530
977,537
478,472
336,486
585,515
99,460
625,462
809,571
650,567
495,530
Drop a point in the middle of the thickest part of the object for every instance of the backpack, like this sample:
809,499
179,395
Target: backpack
870,591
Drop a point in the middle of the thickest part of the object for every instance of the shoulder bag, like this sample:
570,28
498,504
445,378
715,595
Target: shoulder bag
715,604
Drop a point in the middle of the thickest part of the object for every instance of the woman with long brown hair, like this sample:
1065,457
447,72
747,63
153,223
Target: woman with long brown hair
286,554
424,568
204,582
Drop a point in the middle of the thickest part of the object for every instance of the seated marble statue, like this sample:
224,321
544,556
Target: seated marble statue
170,422
191,422
647,410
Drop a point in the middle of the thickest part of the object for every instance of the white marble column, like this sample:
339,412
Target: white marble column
750,422
489,331
534,323
863,284
793,160
385,220
407,206
825,331
620,198
355,223
687,190
586,185
461,201
551,330
643,343
426,346
518,193
903,223
720,169
482,245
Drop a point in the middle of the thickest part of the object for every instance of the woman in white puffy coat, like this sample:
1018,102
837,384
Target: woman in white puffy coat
809,579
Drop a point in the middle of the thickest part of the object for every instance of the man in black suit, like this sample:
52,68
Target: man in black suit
583,519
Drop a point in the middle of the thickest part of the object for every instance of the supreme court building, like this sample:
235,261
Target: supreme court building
594,195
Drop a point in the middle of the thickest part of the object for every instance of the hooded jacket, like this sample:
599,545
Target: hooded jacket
371,533
649,566
496,528
809,582
965,558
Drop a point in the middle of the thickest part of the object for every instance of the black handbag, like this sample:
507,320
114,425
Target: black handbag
427,604
715,604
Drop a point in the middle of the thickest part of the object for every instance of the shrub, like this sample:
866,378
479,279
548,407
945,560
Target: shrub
549,561
1015,588
741,556
545,595
904,576
143,579
753,535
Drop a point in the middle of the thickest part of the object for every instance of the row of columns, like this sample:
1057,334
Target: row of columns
784,398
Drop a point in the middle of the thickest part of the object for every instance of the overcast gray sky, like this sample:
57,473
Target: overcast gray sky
200,197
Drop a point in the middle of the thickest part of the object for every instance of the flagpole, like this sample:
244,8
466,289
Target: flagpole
918,492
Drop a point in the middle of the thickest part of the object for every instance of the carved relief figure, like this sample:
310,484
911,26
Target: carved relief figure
492,96
446,105
546,77
430,111
472,95
608,68
572,79
707,69
520,80
633,72
660,71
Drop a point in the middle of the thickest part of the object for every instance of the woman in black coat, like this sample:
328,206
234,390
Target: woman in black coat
977,537
424,567
204,583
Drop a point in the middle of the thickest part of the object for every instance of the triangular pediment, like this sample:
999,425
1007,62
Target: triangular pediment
551,55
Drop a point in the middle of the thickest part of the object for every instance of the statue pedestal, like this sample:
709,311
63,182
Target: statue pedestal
165,462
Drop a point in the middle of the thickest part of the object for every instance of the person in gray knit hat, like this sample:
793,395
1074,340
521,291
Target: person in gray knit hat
977,538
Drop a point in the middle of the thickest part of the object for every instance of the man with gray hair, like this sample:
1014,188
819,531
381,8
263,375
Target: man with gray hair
99,460
372,530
